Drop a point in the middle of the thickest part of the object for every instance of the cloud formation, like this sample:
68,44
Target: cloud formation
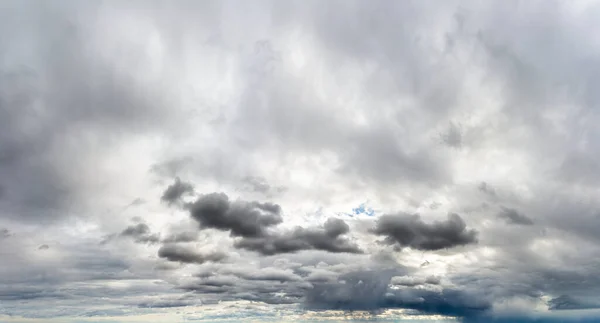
514,217
240,218
469,127
176,191
407,230
328,238
140,233
174,252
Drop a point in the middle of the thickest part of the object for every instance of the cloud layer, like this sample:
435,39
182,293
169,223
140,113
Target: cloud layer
233,160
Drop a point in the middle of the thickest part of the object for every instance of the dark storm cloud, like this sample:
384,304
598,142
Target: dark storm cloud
328,238
514,217
565,302
43,247
407,230
176,191
240,218
370,291
140,233
178,253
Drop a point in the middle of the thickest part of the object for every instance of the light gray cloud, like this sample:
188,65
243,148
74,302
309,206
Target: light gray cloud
513,216
140,233
187,236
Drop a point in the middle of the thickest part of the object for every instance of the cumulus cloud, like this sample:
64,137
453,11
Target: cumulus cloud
240,218
176,191
407,230
179,253
328,238
140,233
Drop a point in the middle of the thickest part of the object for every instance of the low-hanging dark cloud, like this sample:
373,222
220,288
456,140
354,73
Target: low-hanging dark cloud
370,291
329,238
407,230
179,253
240,218
566,302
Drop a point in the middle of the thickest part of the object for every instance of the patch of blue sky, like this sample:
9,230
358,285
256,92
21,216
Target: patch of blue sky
360,210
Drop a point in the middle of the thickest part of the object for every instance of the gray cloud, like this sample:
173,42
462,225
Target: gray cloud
178,253
260,185
328,238
410,231
176,191
414,281
140,233
245,219
181,237
356,93
513,216
46,126
565,302
370,291
453,136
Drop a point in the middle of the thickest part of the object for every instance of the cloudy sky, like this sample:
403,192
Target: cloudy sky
294,161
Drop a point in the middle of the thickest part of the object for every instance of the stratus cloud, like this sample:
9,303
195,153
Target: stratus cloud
407,230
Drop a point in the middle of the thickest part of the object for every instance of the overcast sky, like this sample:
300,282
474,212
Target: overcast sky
169,161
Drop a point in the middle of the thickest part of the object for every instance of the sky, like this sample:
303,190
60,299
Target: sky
299,161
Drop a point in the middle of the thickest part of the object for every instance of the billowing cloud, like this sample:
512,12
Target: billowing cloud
176,191
407,230
175,252
240,218
370,291
140,233
328,238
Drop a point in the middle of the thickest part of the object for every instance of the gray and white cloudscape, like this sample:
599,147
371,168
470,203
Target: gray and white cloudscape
168,161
